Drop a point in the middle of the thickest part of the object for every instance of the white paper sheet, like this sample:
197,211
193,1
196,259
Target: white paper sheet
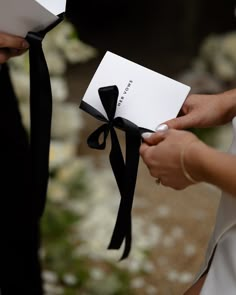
54,6
146,98
18,17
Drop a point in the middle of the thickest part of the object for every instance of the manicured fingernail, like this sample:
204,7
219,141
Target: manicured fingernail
146,134
25,44
162,127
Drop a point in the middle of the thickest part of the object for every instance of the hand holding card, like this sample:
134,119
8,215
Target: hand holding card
132,98
146,98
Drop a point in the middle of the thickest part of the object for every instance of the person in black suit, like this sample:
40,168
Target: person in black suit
20,271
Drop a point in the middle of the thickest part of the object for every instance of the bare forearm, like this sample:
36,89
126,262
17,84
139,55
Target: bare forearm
228,103
209,165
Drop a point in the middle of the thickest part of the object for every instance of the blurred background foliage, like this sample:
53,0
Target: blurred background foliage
164,36
192,41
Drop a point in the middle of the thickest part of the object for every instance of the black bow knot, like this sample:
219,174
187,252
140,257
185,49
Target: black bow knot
125,171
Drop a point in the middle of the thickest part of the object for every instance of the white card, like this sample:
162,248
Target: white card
18,17
146,98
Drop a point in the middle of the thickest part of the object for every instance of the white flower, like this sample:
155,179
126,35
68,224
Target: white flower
57,192
137,283
58,37
66,121
76,51
20,63
185,278
60,90
20,80
70,279
190,250
224,137
228,46
56,62
163,211
97,274
210,47
50,289
25,115
73,168
61,153
224,68
50,276
172,275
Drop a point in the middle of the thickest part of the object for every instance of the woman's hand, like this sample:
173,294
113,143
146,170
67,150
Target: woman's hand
201,111
11,46
162,153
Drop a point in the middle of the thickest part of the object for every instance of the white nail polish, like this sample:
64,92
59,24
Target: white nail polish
146,134
162,127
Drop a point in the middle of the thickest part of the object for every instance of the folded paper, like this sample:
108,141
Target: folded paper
146,98
130,97
18,17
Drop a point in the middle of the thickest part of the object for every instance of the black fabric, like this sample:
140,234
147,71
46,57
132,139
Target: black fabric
40,116
124,169
24,168
19,228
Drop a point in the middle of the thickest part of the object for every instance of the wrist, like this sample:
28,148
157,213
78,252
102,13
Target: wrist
183,165
194,156
228,103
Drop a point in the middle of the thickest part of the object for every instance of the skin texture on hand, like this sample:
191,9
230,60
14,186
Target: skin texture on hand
11,46
201,111
161,152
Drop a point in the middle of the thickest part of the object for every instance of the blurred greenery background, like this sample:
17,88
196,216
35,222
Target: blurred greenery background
191,41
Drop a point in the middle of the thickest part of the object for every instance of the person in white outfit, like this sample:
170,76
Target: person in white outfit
177,158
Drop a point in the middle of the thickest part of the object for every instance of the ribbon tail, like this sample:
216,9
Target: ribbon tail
40,120
126,175
132,160
118,167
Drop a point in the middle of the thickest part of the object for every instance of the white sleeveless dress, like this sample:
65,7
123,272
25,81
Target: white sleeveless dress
221,277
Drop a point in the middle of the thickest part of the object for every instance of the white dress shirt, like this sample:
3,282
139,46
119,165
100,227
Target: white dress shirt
221,277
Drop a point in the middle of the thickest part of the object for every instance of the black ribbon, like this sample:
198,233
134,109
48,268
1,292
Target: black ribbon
40,116
125,170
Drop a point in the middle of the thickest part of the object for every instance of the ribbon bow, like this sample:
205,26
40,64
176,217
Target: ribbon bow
125,171
40,116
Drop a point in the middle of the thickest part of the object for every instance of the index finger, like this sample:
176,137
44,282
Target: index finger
9,41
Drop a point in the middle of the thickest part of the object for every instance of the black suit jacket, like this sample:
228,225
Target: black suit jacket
19,230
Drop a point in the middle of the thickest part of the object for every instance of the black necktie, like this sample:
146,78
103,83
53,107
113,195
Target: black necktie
40,117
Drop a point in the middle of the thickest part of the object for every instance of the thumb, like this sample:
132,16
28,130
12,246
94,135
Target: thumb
183,122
